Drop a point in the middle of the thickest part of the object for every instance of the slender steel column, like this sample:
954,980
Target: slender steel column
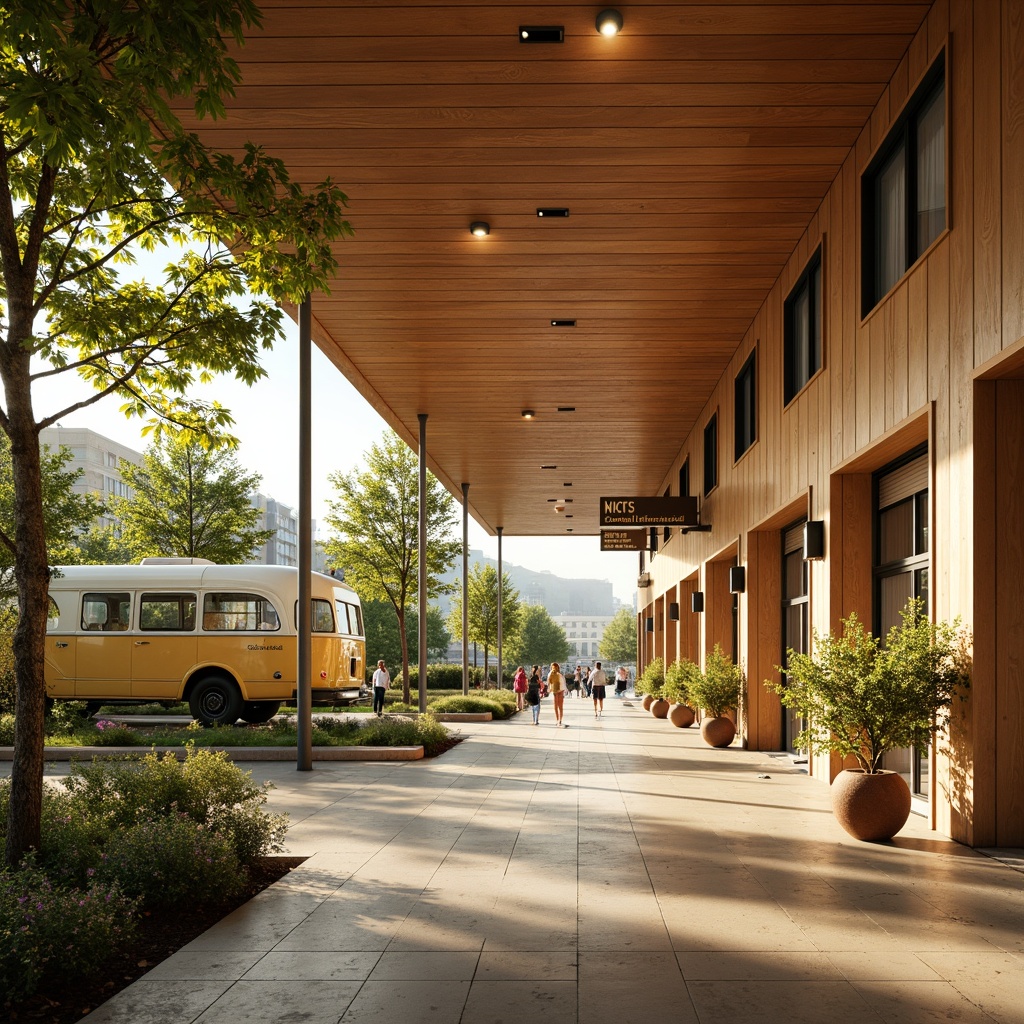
465,588
304,718
422,562
500,595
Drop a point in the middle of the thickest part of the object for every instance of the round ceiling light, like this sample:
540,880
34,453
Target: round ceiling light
527,414
480,228
609,22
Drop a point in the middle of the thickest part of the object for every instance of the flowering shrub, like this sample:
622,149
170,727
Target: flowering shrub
65,717
46,928
166,859
6,730
115,734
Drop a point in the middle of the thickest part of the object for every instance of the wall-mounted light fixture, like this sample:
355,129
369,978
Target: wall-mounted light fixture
737,579
650,623
480,228
609,22
697,601
814,539
527,414
673,611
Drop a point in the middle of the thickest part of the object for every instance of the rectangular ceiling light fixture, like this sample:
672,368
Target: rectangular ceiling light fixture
563,323
566,408
552,211
541,33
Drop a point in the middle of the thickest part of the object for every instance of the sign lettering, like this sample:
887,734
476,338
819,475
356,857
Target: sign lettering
647,512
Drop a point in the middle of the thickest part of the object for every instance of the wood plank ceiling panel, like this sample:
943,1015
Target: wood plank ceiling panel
691,150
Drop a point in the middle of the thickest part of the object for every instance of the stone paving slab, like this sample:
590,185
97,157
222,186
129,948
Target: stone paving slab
615,872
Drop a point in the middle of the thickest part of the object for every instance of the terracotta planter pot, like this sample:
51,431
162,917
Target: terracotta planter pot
870,807
659,708
647,701
718,732
681,716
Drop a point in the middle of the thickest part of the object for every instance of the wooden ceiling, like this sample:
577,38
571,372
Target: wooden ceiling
691,150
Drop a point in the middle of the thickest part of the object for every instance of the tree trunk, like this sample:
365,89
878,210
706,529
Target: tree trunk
403,636
32,575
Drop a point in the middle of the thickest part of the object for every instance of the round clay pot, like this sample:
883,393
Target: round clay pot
681,716
647,701
718,732
659,707
870,807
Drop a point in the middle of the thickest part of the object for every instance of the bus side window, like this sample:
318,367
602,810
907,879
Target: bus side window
167,612
107,612
323,617
223,611
52,616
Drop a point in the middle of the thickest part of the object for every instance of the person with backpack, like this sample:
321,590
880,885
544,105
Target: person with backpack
533,693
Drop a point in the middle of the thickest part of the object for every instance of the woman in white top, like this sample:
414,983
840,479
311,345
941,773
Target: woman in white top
381,682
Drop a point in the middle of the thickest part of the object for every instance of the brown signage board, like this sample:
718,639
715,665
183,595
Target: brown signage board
624,540
641,511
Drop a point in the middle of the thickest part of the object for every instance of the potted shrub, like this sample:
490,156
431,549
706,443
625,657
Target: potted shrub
677,691
650,683
863,698
718,690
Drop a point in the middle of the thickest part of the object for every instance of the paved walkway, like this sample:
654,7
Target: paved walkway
615,872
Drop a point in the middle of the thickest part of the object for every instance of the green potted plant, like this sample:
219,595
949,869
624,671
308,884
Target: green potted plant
677,691
862,698
650,683
718,690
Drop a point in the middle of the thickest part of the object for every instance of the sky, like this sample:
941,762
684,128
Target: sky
344,427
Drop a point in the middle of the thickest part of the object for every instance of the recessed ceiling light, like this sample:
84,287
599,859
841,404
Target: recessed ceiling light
609,22
541,33
527,414
568,529
480,228
568,515
567,408
569,484
552,211
549,467
563,323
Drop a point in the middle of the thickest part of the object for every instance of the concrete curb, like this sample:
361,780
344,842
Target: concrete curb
234,753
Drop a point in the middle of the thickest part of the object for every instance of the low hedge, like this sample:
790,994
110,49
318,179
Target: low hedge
474,704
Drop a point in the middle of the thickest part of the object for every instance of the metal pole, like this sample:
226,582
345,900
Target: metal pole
465,588
422,566
500,529
304,737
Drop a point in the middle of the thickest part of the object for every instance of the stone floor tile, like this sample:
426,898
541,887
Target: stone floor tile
762,965
632,988
150,1001
205,966
426,966
994,981
408,1002
517,965
925,1002
348,965
521,1002
758,1002
281,1002
892,965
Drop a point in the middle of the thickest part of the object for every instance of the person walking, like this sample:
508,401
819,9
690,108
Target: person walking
598,680
621,681
533,693
381,682
586,680
556,684
576,682
519,686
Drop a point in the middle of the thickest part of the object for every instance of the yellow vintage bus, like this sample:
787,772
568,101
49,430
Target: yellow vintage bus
221,637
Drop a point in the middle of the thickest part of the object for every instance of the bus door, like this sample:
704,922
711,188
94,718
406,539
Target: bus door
61,645
103,660
165,646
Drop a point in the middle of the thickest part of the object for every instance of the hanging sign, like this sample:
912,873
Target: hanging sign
624,540
643,511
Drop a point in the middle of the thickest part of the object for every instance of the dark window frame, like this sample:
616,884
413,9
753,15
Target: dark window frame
711,454
902,136
181,598
810,281
745,412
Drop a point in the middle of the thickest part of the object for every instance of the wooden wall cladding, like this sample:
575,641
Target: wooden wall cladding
911,361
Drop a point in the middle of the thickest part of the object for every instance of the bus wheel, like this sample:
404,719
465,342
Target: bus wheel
256,712
215,701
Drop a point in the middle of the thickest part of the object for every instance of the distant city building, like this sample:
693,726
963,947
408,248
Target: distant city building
584,633
98,458
283,547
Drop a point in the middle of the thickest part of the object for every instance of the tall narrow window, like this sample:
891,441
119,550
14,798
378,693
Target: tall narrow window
904,190
746,406
667,530
711,455
802,330
684,479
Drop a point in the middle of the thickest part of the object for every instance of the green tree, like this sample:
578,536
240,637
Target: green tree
377,518
191,500
100,545
65,513
383,639
483,610
539,639
618,643
96,167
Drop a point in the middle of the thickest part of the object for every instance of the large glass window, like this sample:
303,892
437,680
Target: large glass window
901,570
711,455
239,611
904,190
323,617
802,330
167,612
106,612
795,616
746,405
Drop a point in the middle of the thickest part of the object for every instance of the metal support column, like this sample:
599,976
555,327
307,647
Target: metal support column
500,594
303,687
422,562
465,588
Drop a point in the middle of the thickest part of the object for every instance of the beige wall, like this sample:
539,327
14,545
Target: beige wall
904,374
